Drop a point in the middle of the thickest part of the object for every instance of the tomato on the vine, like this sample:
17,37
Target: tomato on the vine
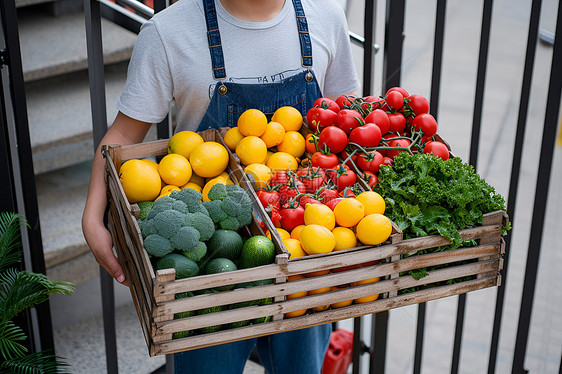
369,177
319,118
325,194
395,100
291,189
332,203
347,192
268,198
348,119
399,89
291,216
342,177
379,118
310,143
387,161
327,103
307,199
312,177
437,149
397,122
371,161
334,138
397,143
279,177
325,161
344,101
344,154
368,135
418,104
426,123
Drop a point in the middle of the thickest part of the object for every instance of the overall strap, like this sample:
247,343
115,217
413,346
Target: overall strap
304,36
214,39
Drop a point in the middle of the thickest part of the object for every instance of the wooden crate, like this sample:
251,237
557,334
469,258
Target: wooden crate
154,293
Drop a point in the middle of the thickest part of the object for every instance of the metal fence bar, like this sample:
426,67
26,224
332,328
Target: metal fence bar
92,13
473,159
541,196
23,172
368,46
515,169
438,40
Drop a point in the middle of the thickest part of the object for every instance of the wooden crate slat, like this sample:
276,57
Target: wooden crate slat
328,316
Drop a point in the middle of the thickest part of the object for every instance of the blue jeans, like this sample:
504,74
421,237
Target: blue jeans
294,352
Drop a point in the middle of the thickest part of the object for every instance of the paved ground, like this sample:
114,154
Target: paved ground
501,100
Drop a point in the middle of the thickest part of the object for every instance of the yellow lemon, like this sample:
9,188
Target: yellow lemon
209,159
289,117
175,169
349,212
372,201
282,161
283,234
193,186
232,138
365,299
345,238
261,174
273,135
296,232
184,142
319,214
294,248
252,122
251,150
140,181
152,163
293,143
198,180
374,229
317,239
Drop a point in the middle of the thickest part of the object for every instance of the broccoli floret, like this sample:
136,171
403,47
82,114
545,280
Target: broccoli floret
147,227
215,211
157,245
191,198
202,222
168,222
217,192
229,223
197,253
245,218
185,238
160,205
231,206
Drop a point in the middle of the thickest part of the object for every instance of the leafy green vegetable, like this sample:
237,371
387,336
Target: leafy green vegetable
426,195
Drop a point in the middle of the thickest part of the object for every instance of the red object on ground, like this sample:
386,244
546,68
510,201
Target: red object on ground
340,352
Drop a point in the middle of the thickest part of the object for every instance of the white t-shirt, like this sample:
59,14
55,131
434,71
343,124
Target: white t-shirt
171,59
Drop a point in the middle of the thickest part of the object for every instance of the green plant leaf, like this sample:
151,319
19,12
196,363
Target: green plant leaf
10,338
35,363
10,239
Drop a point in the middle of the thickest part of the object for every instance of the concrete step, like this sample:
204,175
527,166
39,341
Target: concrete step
57,45
60,120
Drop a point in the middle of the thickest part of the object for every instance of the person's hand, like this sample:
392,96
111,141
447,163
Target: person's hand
101,245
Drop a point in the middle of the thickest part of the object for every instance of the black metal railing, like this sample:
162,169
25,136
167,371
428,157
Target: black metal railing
391,73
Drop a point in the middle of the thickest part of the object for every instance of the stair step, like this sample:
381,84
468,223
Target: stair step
57,45
60,119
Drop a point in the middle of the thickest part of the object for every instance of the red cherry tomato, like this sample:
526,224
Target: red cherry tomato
348,119
291,189
327,194
310,144
395,100
312,178
397,143
397,122
334,138
342,177
370,178
343,156
387,161
344,101
332,203
268,198
291,217
399,89
368,135
379,118
437,149
418,104
327,103
319,118
426,123
371,161
325,161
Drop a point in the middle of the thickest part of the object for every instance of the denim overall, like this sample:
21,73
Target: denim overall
295,352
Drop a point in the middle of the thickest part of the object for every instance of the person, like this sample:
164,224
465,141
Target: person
213,59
